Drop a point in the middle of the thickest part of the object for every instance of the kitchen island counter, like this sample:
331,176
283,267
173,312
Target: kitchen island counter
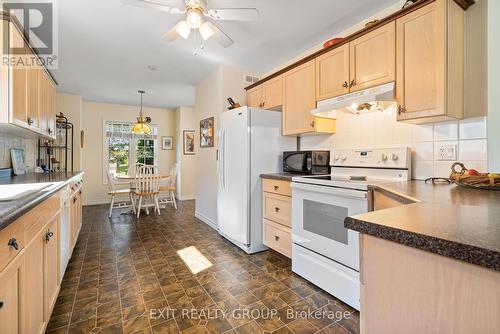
456,222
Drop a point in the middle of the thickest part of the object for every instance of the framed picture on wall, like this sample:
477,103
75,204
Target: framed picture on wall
167,143
188,142
207,132
17,157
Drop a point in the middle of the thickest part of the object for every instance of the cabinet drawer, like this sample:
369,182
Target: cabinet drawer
11,235
277,186
278,237
38,217
278,208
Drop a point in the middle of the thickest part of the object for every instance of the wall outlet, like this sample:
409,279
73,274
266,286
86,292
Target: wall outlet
447,153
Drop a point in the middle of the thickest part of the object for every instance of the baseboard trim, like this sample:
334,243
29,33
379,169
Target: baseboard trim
96,201
206,220
186,197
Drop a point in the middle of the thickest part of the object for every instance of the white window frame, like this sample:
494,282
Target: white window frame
132,148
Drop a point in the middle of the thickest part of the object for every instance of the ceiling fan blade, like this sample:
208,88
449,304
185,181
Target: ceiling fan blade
221,36
171,35
233,14
168,6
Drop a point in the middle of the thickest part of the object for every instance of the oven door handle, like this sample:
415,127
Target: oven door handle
359,194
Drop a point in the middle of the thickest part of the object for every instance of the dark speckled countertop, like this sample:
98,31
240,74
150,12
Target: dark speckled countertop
460,223
281,176
13,209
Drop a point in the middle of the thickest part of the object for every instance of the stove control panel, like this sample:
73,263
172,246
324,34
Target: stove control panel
396,157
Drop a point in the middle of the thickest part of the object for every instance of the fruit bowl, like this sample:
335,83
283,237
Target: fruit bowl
473,179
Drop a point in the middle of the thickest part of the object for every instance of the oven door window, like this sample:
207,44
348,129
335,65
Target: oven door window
326,220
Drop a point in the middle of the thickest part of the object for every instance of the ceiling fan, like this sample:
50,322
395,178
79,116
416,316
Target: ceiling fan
198,17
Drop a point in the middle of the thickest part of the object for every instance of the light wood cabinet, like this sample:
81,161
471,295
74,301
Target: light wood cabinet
332,73
255,97
277,215
373,58
27,91
34,260
299,97
19,78
12,297
430,63
266,96
51,265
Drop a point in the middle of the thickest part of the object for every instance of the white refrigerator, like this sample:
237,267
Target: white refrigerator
249,144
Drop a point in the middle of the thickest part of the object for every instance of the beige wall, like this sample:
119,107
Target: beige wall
211,100
185,120
493,85
71,106
93,116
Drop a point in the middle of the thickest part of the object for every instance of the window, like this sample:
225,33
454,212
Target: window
123,149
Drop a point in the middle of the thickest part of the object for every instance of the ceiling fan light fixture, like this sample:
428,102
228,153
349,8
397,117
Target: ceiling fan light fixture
194,19
183,29
206,30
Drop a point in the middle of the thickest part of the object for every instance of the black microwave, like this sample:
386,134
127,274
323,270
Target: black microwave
307,162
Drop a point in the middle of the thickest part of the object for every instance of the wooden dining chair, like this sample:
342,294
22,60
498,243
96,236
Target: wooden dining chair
115,192
169,188
147,185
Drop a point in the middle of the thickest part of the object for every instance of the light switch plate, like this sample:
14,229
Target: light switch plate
447,153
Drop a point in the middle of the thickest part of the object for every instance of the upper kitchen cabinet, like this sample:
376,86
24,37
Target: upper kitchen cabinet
373,58
430,63
27,91
267,95
299,98
332,73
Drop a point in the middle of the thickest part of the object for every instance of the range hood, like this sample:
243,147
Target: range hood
368,100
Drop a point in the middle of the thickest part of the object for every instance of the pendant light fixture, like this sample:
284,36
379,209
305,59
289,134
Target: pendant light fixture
141,127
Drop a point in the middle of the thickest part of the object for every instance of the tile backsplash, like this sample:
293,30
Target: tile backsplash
379,129
8,141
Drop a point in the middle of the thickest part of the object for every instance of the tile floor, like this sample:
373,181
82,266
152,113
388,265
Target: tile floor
126,276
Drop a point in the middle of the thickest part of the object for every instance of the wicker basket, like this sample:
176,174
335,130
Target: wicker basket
481,181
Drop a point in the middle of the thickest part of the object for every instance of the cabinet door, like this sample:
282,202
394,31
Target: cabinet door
421,62
34,262
33,97
51,265
254,97
42,101
332,73
19,79
373,58
11,297
273,93
51,108
299,97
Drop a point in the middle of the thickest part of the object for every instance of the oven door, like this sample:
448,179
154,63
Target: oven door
318,214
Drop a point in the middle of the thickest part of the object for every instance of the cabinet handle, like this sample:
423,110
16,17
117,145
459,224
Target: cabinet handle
276,188
401,110
13,243
277,238
1,304
74,199
263,104
276,209
49,130
312,124
30,121
80,192
48,235
353,83
345,84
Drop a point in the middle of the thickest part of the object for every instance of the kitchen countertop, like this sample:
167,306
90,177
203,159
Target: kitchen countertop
456,222
12,209
284,176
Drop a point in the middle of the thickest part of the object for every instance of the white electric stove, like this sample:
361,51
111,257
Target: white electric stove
323,250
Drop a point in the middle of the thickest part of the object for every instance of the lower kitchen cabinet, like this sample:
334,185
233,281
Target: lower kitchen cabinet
11,297
51,266
277,211
34,264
